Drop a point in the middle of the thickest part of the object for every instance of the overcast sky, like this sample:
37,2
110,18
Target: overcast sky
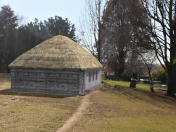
44,9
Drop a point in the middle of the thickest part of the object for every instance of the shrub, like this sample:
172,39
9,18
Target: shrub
160,75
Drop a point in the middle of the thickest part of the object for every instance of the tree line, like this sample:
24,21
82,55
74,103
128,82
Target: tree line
16,39
130,35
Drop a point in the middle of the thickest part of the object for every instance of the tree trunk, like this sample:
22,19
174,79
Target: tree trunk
151,87
170,84
105,71
151,83
99,30
138,75
110,67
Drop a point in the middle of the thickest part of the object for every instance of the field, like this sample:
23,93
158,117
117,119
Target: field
33,112
115,107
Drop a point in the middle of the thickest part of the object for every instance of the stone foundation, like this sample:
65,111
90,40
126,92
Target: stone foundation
92,89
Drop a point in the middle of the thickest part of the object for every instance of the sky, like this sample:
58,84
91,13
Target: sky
44,9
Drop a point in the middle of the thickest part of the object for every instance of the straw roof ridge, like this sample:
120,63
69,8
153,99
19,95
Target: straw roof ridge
59,52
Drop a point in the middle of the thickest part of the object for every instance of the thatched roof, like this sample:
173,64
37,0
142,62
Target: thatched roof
59,52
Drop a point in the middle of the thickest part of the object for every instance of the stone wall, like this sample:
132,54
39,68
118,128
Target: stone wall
65,82
81,82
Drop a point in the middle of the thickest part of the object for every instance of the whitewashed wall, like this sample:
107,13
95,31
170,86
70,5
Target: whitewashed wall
95,82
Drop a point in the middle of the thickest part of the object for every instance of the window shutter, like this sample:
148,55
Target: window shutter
89,76
96,75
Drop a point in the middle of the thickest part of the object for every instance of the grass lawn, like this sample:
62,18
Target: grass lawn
113,108
118,108
32,112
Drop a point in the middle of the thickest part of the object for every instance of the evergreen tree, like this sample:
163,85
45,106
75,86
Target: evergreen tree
8,24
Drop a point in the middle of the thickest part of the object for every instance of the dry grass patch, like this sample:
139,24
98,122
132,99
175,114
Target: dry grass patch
119,108
33,112
4,88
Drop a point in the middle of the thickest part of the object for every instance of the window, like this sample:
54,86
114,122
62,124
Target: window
89,76
96,75
93,77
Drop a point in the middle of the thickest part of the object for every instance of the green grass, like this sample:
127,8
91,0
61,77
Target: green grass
116,107
126,84
140,86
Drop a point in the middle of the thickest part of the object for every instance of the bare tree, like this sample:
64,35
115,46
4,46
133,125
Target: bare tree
121,34
90,26
162,35
86,33
148,57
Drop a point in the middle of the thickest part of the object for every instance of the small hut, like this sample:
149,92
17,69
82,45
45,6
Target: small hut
56,66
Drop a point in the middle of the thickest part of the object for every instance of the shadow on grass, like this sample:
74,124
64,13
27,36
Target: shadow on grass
8,92
139,94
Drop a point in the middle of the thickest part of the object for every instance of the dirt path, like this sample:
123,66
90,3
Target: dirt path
77,115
